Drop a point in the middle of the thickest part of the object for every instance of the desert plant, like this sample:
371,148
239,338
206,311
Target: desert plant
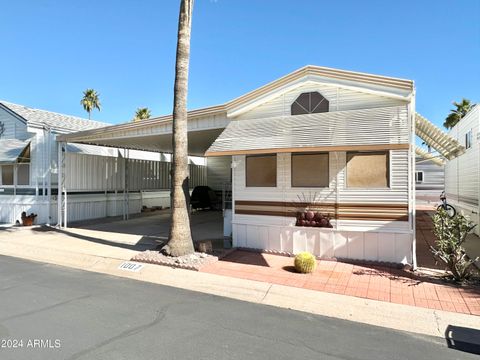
305,262
451,233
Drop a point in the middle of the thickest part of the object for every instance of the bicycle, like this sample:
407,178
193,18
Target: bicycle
449,209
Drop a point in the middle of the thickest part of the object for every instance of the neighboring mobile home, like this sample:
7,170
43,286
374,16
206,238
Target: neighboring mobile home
462,173
95,176
429,179
315,144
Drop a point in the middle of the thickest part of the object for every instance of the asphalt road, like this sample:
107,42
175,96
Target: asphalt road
60,313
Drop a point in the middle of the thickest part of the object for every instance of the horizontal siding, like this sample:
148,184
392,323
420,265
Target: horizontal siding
339,100
14,128
380,126
462,173
396,194
99,173
433,176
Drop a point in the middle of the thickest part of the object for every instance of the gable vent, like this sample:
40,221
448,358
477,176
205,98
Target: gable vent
309,103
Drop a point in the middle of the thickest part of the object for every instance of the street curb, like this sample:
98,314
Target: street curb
384,314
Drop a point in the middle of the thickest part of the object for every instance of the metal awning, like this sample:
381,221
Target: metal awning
11,149
148,135
446,145
429,156
366,129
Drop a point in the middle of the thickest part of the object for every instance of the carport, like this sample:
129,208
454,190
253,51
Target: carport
154,135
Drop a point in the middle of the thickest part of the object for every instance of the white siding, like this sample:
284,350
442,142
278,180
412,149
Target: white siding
14,127
462,183
397,193
339,99
389,241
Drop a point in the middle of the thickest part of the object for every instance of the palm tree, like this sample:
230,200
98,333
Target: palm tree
462,108
180,236
142,114
90,101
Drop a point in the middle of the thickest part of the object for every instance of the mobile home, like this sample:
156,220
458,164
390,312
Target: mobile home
320,160
462,173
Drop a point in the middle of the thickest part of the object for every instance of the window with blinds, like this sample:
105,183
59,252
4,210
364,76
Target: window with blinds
310,170
261,170
368,170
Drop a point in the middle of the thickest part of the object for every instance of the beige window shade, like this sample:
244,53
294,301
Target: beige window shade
367,170
7,174
261,171
23,174
310,170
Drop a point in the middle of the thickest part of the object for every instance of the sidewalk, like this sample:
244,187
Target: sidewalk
73,251
368,282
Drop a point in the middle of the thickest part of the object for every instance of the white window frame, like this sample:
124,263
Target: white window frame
416,176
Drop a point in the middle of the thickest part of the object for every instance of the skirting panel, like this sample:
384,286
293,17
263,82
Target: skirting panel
326,243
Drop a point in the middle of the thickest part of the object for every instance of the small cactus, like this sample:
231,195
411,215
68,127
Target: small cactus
305,263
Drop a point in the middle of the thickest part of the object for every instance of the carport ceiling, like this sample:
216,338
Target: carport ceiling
198,141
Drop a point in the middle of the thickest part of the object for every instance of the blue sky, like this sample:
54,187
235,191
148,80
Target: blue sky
125,49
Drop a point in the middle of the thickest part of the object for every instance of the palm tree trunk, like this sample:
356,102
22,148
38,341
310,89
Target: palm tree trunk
180,237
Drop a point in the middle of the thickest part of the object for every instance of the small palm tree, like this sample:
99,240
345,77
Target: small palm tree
90,101
462,108
142,114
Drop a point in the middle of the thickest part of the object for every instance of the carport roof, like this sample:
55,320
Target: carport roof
148,135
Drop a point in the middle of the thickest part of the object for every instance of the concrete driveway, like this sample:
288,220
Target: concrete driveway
111,238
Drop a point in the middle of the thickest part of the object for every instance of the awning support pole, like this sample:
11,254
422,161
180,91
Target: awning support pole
59,184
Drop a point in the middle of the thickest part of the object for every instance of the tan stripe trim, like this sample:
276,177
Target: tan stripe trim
311,148
313,205
280,203
340,217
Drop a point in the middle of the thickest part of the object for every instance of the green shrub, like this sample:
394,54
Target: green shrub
451,233
305,263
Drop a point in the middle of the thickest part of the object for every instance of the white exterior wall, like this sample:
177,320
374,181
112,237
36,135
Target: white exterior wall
14,127
433,180
339,99
388,241
462,174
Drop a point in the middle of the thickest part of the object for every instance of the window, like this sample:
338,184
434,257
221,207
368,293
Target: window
23,167
310,170
309,103
23,174
419,176
7,174
368,169
261,171
468,139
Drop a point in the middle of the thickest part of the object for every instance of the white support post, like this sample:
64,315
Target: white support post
64,187
127,175
411,184
124,182
49,175
59,184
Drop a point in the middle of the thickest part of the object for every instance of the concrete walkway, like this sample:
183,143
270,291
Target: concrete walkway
73,251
